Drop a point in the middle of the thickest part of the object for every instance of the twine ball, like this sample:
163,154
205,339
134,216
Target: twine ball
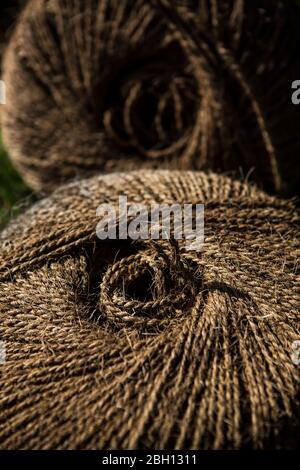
104,85
121,344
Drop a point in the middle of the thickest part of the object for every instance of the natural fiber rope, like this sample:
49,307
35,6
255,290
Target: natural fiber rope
9,11
168,84
119,344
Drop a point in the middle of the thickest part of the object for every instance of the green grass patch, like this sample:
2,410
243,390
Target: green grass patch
13,191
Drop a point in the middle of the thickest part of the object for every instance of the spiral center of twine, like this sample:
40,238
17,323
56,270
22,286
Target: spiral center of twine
166,284
153,107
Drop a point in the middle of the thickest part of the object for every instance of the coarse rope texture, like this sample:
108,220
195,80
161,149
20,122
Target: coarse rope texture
109,85
126,345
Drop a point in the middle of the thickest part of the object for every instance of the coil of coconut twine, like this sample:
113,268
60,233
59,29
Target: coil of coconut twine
122,345
98,85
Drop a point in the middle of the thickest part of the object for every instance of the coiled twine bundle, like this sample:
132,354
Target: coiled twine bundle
109,85
122,344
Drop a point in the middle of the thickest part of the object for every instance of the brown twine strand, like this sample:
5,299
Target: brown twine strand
121,345
109,85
